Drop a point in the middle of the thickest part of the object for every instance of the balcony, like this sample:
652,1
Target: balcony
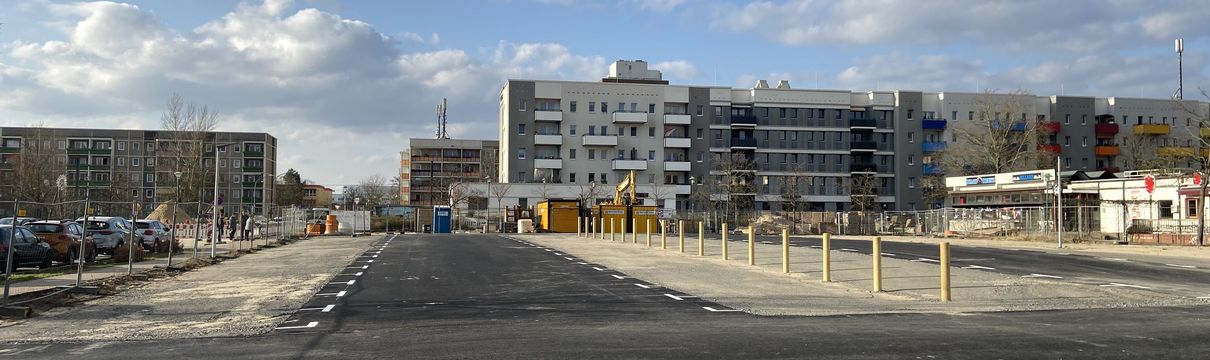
1175,151
1054,148
1015,127
251,169
253,184
1152,129
548,115
88,151
1050,127
863,146
677,119
1108,150
630,117
548,139
682,143
254,154
95,167
743,143
932,169
10,150
548,163
933,146
863,123
599,140
933,124
743,120
863,168
630,164
676,166
1106,130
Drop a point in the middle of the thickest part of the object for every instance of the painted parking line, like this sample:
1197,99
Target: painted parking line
1182,266
337,294
569,258
582,263
322,309
619,277
598,269
1124,285
926,260
1203,297
1041,276
308,325
977,267
1114,259
643,286
679,297
558,254
888,254
719,310
848,249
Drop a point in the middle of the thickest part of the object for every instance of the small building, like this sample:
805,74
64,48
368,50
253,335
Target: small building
317,196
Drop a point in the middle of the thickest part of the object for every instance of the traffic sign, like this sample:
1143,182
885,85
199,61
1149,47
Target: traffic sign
1149,184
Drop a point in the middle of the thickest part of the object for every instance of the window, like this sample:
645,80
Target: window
718,111
134,161
912,182
604,180
521,176
651,131
571,154
970,115
121,161
592,177
573,129
718,134
121,145
1067,141
234,179
148,193
911,137
571,178
235,163
634,131
650,154
592,106
954,115
521,129
1166,209
604,107
700,109
521,105
621,154
909,113
521,153
782,112
573,106
150,146
699,133
1066,119
135,146
634,107
1084,119
237,148
149,178
592,154
651,108
700,157
621,131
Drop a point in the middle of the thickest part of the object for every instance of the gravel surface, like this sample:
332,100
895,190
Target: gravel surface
909,287
244,296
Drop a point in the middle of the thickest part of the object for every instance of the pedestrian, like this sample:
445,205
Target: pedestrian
247,227
220,226
234,224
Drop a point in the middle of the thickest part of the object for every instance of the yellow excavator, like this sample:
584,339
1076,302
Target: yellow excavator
624,212
623,186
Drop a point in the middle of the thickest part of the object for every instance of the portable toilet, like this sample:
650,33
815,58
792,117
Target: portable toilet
441,219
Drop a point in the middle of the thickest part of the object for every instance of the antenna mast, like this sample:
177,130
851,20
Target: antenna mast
441,134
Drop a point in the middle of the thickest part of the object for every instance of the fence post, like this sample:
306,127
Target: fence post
827,257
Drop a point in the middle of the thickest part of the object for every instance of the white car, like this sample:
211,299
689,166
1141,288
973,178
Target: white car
152,233
108,232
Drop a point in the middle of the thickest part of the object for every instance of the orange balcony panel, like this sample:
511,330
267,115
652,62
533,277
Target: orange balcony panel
1054,148
1108,150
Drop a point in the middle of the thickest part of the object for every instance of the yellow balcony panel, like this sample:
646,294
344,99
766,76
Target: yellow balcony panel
1205,132
1152,129
1175,151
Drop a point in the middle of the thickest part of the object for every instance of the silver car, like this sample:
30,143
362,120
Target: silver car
152,233
108,232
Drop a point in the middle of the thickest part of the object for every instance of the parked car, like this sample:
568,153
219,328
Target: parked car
27,250
152,233
64,237
109,232
20,220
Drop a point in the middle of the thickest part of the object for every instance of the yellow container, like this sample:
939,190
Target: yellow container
626,217
558,215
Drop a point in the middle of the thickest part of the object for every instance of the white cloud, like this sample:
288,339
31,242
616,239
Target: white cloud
680,70
658,5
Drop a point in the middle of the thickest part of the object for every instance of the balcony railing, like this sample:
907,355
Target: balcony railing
677,119
548,163
1152,129
630,117
933,124
747,142
1175,151
863,123
10,150
863,168
249,154
1106,130
254,169
743,120
1015,126
599,140
932,169
630,164
253,184
544,139
677,142
1054,148
863,145
1050,126
933,146
548,115
1108,150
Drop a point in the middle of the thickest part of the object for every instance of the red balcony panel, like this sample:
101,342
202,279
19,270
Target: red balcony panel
1054,148
1049,126
1106,130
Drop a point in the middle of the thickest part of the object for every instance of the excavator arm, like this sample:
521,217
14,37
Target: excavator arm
626,186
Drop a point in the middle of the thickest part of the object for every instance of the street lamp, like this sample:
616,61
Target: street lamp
172,240
356,205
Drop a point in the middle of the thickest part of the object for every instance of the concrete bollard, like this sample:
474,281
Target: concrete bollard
785,251
945,272
751,246
680,232
663,235
827,257
648,232
725,241
701,239
876,252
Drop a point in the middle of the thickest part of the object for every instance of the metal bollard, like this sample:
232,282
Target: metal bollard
602,232
612,231
634,231
945,272
701,239
579,224
751,246
785,251
827,257
663,235
724,241
876,252
680,232
648,232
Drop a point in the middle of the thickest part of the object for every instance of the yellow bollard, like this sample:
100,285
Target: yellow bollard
634,231
663,235
945,272
602,232
648,232
612,231
876,252
579,223
827,257
785,251
680,232
725,241
701,239
751,246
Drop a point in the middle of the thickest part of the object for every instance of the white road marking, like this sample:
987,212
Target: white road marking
598,269
718,310
848,249
643,286
978,267
359,273
374,256
370,261
363,267
1124,285
1041,276
558,254
926,260
308,325
888,254
1182,266
678,298
582,263
328,308
351,282
1203,297
618,276
815,246
338,294
548,249
1114,259
568,258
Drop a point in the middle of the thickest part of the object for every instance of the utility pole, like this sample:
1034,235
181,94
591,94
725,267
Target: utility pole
1180,68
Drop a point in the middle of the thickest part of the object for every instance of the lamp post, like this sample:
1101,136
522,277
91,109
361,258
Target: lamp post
356,206
172,240
214,216
692,202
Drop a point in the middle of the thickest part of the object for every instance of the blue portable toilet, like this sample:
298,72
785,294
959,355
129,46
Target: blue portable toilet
441,219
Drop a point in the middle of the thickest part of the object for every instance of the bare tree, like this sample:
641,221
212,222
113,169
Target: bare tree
373,190
37,177
544,190
1199,111
934,190
188,126
792,189
738,173
863,191
460,193
499,191
589,193
1001,138
1139,152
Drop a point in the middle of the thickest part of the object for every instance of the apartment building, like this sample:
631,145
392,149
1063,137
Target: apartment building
817,141
128,160
317,196
429,166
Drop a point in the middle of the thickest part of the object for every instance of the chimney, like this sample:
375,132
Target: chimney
761,84
783,84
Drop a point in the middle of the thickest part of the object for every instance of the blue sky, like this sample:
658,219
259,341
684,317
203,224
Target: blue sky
343,84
